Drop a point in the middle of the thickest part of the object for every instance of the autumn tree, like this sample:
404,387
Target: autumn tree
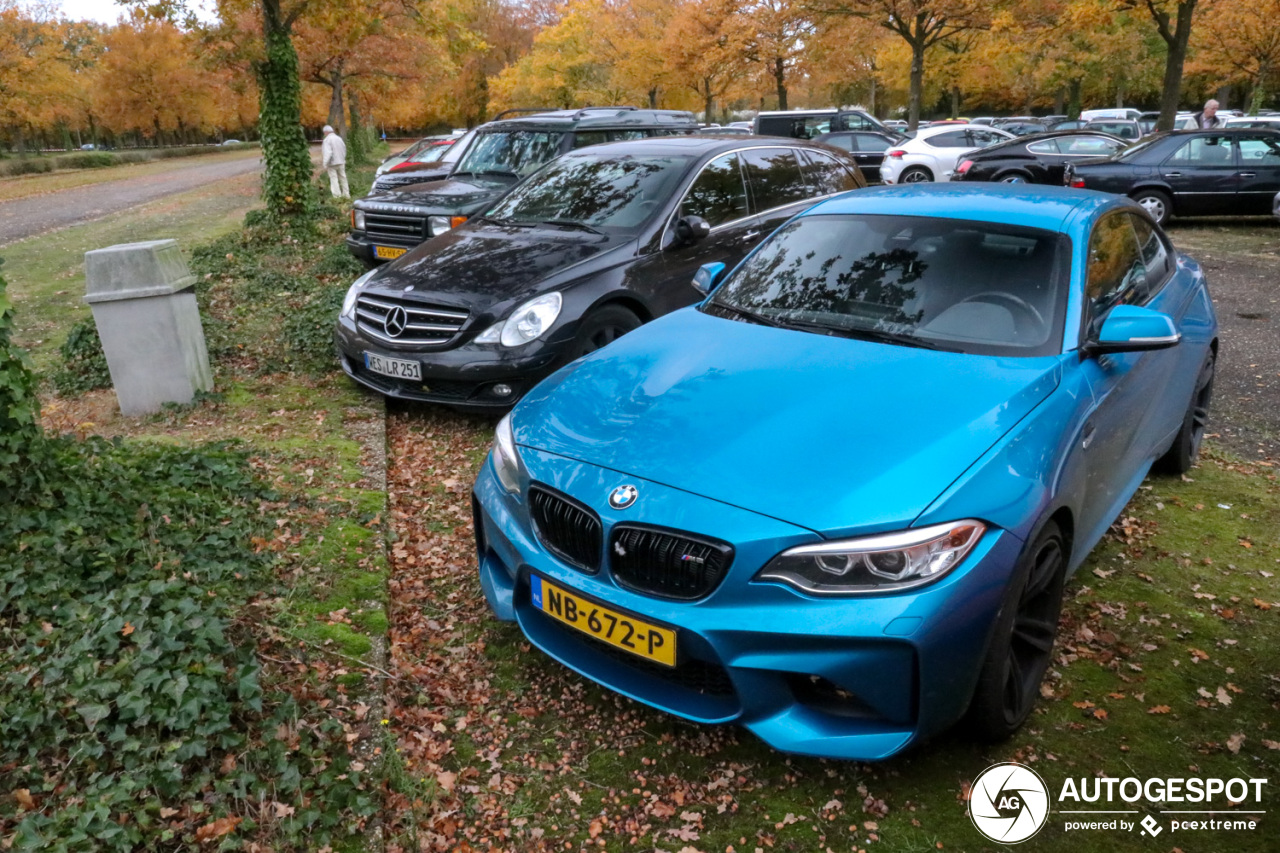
775,34
36,79
922,24
1173,22
149,80
1241,41
705,44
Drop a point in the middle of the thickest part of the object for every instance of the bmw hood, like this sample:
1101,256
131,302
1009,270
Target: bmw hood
482,266
837,435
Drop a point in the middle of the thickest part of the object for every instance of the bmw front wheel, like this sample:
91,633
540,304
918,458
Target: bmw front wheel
1021,647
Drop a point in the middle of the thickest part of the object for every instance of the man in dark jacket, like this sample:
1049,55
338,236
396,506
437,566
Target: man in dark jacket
1207,119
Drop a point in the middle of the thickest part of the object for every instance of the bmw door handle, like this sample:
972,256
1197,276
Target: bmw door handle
1248,174
1173,174
750,236
1089,430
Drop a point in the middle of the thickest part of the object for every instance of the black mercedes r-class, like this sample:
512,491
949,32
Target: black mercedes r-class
599,241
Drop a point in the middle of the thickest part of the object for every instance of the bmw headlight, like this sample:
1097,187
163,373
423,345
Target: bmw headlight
526,323
506,459
889,562
349,301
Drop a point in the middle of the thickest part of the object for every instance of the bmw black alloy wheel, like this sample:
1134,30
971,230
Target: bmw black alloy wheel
1035,624
1200,405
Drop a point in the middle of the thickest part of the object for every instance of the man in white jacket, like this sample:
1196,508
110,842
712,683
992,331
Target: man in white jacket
334,161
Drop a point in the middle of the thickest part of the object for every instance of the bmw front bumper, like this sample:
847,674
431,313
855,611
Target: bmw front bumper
852,677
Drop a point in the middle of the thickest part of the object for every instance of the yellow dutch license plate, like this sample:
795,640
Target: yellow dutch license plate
389,253
610,626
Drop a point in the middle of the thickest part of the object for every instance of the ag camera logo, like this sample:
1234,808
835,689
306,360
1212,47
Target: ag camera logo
1009,803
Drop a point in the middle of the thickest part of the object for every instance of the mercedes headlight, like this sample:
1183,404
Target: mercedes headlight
506,459
889,562
349,301
526,323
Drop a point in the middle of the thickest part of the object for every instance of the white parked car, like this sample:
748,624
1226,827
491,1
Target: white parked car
932,154
1114,112
1270,122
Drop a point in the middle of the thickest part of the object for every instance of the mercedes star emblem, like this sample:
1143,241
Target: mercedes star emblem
623,497
395,321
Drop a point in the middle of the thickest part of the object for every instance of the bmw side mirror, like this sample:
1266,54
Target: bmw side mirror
705,279
1132,328
691,229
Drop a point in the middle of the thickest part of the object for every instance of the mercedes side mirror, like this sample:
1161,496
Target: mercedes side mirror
691,229
1132,328
707,276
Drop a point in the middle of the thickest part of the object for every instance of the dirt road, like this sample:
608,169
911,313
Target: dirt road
26,217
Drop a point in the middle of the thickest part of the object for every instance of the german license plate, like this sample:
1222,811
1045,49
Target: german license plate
388,253
397,368
610,626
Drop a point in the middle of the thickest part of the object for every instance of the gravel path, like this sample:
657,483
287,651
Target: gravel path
25,217
1242,261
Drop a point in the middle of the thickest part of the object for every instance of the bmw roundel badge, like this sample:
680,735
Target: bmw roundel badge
623,497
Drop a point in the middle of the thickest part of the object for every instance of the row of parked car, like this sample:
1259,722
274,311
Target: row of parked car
550,235
807,456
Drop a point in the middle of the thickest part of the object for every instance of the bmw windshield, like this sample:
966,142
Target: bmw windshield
974,287
592,192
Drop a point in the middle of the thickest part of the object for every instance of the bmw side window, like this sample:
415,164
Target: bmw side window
775,177
1117,275
826,175
1155,255
717,194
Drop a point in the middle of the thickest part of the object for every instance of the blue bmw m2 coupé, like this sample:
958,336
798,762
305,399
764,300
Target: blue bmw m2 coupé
837,501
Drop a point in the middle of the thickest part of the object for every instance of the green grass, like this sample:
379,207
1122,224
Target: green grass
46,273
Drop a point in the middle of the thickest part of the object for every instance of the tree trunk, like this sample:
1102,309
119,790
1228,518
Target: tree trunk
653,98
357,140
709,102
917,84
1059,101
284,145
337,115
1073,98
1120,93
780,77
872,98
1259,93
1176,41
955,102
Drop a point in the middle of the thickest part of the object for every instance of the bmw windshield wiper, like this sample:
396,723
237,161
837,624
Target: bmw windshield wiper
891,338
569,223
748,315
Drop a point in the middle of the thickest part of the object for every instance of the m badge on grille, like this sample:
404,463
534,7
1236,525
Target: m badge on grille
623,497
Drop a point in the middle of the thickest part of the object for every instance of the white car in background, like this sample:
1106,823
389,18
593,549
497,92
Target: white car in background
932,154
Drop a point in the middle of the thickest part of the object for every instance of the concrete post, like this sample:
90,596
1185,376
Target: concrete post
145,309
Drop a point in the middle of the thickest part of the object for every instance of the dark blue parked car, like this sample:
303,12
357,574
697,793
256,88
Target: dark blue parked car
837,501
